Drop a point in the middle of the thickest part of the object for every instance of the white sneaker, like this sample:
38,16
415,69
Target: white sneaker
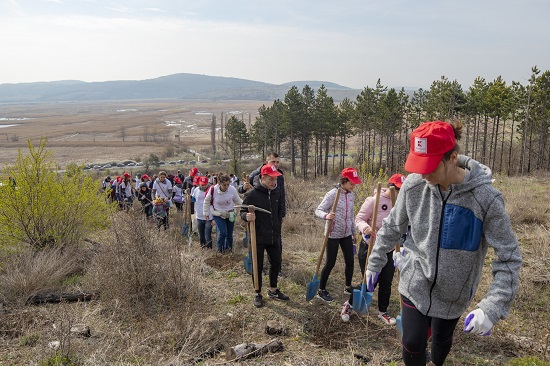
346,311
386,318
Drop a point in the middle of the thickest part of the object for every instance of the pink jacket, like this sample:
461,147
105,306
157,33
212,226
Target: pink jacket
363,219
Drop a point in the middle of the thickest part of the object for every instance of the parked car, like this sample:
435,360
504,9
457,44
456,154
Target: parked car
180,161
172,162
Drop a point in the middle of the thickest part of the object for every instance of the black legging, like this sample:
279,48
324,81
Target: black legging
332,252
415,335
384,279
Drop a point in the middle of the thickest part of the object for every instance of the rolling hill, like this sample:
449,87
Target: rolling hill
176,86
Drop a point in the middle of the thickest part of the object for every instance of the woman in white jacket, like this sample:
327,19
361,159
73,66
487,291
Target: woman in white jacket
220,200
342,232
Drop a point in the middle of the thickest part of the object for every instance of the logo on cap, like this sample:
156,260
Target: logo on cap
421,145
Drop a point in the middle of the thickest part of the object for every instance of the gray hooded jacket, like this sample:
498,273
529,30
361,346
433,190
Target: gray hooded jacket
446,249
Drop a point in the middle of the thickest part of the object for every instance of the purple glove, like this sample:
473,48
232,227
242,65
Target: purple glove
372,279
354,249
477,322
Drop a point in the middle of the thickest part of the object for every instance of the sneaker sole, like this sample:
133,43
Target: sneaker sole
319,297
276,298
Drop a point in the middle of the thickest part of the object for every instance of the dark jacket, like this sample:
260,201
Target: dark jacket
254,178
268,227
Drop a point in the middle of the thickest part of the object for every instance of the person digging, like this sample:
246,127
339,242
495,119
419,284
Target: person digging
266,217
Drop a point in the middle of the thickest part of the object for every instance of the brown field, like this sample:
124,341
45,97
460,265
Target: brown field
94,133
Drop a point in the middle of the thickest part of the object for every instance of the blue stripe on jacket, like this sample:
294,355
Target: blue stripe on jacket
461,229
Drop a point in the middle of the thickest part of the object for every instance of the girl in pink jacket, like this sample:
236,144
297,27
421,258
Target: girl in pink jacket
363,222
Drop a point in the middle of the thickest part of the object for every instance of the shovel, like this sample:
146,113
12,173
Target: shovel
252,245
313,286
362,298
398,320
187,229
248,259
252,228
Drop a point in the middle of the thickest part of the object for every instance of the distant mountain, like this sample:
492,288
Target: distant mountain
177,86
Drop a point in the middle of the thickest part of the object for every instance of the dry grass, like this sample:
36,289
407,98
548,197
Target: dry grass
163,302
30,273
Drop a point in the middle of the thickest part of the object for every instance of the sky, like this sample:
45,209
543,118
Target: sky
353,43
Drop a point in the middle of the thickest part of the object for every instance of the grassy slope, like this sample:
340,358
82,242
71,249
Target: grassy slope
221,309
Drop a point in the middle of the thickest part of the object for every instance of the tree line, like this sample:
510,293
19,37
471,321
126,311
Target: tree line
506,125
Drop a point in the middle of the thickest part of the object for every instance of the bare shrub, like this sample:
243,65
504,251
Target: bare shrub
303,195
143,270
29,273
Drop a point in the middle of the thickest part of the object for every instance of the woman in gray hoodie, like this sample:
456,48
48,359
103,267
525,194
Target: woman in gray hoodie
455,215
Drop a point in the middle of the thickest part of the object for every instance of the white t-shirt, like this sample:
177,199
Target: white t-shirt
163,189
224,201
199,203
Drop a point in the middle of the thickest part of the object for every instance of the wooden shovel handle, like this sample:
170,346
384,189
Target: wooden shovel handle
373,226
327,233
252,232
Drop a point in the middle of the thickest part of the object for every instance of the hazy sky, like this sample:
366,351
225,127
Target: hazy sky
352,43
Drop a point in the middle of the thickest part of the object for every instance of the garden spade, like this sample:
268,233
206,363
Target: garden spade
248,259
362,298
398,320
187,226
313,286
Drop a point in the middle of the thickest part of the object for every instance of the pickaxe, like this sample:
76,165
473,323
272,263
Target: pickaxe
252,208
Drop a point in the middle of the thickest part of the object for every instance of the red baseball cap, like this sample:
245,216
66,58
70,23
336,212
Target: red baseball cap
352,175
196,180
127,175
429,142
193,171
145,176
397,180
269,169
177,180
203,179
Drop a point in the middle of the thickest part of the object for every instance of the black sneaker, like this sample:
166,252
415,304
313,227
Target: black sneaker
277,295
258,301
324,295
349,290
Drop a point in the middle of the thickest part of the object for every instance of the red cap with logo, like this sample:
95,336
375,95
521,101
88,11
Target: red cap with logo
352,175
203,179
269,169
196,180
193,171
127,175
429,142
177,180
397,180
145,177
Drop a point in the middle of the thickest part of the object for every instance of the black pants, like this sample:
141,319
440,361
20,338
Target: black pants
384,279
415,335
332,252
275,256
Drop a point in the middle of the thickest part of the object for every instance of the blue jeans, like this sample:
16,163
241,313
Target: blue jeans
204,228
225,234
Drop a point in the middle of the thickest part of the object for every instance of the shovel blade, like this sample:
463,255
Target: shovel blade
248,263
399,325
361,299
312,288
